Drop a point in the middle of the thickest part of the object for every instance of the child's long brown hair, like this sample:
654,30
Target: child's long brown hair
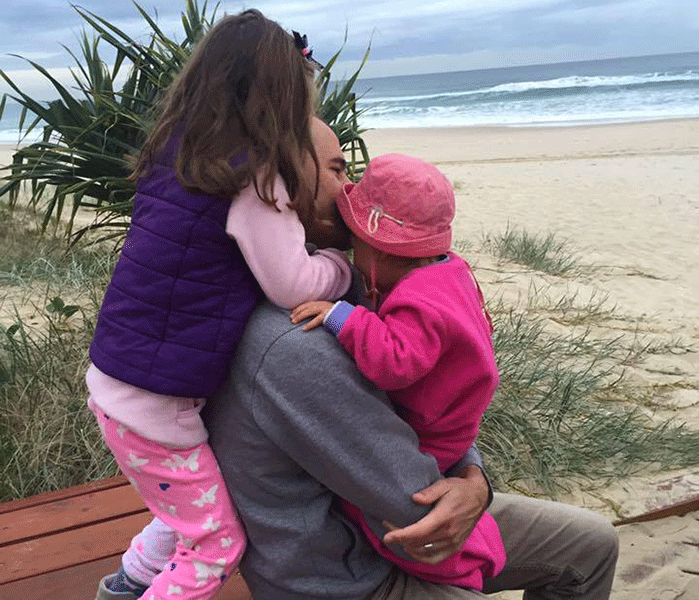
245,92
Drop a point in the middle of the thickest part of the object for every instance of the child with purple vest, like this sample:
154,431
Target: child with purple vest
429,344
222,191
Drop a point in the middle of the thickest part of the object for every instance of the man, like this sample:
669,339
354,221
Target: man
297,426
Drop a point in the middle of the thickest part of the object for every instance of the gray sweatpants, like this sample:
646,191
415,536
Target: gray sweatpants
554,551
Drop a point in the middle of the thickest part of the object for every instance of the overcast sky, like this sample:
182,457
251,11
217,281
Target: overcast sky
407,36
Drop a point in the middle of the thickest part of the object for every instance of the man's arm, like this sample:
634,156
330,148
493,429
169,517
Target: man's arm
340,428
464,469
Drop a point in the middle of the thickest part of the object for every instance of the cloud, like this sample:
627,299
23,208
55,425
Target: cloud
429,35
35,85
602,11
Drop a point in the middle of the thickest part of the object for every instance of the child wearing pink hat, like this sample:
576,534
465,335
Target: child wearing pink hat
427,343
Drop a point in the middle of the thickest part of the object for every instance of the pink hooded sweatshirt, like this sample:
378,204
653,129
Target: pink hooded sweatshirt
430,347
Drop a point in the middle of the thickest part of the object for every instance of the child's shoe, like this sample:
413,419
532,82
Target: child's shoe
104,593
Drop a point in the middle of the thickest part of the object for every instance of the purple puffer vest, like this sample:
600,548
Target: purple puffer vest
180,295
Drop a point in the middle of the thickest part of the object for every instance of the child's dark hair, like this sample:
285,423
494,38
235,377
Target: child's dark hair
246,91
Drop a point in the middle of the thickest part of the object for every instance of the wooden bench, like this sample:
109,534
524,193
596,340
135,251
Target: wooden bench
57,546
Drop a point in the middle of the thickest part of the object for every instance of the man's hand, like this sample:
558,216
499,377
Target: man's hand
317,309
458,504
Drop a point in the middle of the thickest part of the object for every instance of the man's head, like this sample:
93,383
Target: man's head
328,228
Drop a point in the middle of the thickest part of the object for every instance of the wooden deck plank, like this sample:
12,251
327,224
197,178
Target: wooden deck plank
69,548
71,492
74,583
678,509
80,583
57,546
71,513
235,588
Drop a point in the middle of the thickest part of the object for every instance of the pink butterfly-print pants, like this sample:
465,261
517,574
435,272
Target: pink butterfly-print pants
185,490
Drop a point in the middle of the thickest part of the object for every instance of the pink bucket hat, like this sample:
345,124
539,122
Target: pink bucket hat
402,206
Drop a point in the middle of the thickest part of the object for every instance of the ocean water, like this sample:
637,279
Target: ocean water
9,131
573,93
599,91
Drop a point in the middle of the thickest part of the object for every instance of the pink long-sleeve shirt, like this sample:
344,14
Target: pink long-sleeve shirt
430,347
273,244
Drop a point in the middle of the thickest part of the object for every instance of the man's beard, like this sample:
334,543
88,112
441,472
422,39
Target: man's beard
329,232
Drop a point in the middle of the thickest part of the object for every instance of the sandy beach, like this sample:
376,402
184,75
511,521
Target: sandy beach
625,198
6,151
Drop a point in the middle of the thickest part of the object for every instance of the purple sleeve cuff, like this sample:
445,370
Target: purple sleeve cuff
337,316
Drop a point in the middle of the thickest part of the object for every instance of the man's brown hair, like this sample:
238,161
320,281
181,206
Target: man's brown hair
240,106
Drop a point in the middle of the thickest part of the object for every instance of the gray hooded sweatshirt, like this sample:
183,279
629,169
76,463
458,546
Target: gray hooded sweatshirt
295,426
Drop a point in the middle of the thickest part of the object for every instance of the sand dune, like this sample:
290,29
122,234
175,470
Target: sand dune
626,198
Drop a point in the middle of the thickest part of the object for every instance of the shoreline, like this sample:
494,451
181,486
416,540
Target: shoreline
503,127
402,136
479,144
535,127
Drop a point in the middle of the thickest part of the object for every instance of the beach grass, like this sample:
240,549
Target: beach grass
543,253
49,438
564,413
30,256
49,294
